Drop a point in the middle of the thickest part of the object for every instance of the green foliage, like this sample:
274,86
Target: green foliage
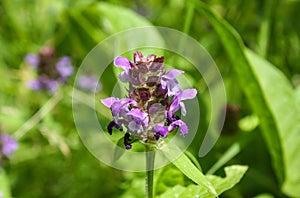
260,70
233,176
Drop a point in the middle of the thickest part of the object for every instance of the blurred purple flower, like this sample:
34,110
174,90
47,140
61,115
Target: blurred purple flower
51,71
52,85
32,60
89,83
34,84
7,145
64,67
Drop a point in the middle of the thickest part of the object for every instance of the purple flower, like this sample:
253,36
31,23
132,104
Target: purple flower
139,120
51,71
139,116
148,114
177,104
89,83
179,123
34,85
160,130
169,81
119,108
32,60
64,67
123,63
7,145
51,85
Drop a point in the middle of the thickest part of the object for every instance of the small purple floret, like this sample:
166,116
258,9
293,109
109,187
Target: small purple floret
7,145
32,60
89,83
64,67
169,81
123,63
139,116
179,123
177,104
34,85
161,130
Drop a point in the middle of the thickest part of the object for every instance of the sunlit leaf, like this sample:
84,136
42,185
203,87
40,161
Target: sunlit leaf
233,176
185,165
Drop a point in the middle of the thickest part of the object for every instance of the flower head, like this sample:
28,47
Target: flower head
51,71
149,113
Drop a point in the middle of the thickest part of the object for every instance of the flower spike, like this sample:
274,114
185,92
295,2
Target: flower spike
149,113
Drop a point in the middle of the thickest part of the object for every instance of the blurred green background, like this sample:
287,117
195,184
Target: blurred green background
263,92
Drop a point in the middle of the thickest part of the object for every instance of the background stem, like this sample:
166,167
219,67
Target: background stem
38,115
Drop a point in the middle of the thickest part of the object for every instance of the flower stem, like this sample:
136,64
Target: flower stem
150,156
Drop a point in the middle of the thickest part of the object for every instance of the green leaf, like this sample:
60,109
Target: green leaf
282,103
120,18
276,108
184,164
176,191
233,175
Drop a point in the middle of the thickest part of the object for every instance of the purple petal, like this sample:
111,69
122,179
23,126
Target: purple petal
109,101
188,94
173,73
175,106
139,116
8,144
164,84
122,62
34,84
120,107
32,60
124,77
135,127
52,85
173,87
179,123
183,109
161,130
169,80
137,113
64,67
